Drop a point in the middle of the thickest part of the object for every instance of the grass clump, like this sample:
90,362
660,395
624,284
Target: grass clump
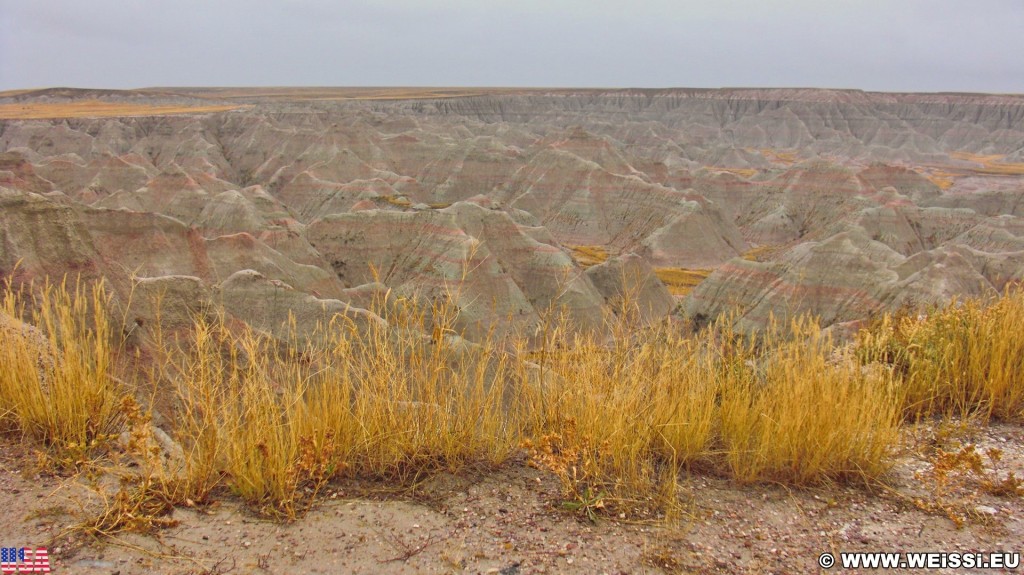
275,422
56,385
965,360
627,416
147,492
611,417
805,415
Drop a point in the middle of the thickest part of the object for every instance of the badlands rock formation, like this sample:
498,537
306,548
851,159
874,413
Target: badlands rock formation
507,203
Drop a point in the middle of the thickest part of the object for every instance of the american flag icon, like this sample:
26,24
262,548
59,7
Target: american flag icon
24,560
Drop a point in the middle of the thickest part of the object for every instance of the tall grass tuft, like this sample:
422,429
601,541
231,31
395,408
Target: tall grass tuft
56,387
962,360
806,414
376,400
613,414
627,415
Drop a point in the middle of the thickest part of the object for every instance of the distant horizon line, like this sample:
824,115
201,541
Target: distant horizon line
484,87
308,87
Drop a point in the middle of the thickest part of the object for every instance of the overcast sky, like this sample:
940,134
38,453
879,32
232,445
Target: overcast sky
893,45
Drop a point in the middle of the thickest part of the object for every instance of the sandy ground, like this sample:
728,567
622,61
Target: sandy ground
510,521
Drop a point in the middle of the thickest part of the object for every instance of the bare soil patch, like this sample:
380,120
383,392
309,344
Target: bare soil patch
511,520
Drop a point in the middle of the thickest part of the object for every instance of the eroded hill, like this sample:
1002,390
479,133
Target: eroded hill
841,203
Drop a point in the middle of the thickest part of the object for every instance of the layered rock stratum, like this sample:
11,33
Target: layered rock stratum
271,204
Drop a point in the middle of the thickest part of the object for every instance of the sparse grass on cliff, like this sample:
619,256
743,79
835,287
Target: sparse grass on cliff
681,281
588,256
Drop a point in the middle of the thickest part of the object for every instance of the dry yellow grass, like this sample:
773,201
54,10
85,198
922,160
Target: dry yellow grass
943,179
762,253
745,173
804,416
963,360
401,202
615,419
681,281
986,165
663,415
991,164
98,109
589,255
776,408
56,386
780,156
378,401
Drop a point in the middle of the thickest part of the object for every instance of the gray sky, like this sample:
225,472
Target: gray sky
895,45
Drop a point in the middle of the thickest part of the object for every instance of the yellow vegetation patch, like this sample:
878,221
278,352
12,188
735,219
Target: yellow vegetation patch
963,360
379,401
622,418
98,109
979,158
761,253
401,202
681,281
56,384
990,164
786,157
943,179
589,255
741,172
986,165
616,418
